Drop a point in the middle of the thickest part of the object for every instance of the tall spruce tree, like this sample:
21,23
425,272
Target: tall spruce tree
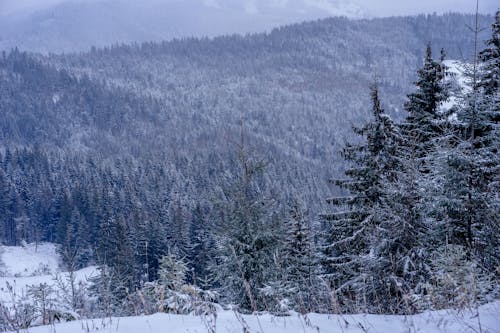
245,239
117,263
424,120
463,187
5,210
302,283
473,164
355,228
422,132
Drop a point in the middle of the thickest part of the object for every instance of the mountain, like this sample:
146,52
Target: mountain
213,155
74,25
295,92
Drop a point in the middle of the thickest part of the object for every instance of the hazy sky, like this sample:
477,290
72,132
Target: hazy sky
366,7
404,7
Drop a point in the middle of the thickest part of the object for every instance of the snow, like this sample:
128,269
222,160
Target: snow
227,321
33,264
456,69
29,260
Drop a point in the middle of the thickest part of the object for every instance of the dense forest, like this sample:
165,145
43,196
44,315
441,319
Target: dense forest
205,162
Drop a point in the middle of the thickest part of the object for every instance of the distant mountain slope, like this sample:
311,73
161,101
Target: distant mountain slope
163,117
300,87
74,25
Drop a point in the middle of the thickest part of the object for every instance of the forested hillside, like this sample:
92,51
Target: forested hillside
152,158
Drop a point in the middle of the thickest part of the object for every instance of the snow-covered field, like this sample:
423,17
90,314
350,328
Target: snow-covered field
28,265
32,264
29,260
227,321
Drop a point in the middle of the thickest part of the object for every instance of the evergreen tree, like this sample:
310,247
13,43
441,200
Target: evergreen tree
149,244
423,131
6,222
353,250
245,240
116,259
472,170
301,262
424,120
490,58
201,251
172,273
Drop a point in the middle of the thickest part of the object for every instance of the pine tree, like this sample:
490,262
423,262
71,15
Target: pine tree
6,219
173,272
148,241
245,240
473,165
355,233
116,259
424,120
463,188
489,80
202,247
487,143
44,301
423,131
301,262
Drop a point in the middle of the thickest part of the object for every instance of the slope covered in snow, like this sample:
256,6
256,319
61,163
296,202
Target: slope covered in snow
29,260
22,267
227,321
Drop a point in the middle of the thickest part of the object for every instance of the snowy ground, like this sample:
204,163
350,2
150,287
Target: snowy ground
28,265
29,260
32,264
432,322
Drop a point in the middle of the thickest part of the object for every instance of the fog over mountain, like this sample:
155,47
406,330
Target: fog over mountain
76,25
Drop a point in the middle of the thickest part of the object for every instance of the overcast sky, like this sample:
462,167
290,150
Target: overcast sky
366,7
405,7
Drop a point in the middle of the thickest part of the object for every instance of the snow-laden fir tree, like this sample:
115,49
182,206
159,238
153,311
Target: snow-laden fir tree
358,250
461,200
471,172
487,146
245,239
116,266
421,132
44,301
302,285
424,120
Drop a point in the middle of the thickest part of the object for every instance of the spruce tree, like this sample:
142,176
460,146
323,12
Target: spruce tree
245,240
424,120
462,189
423,131
5,210
473,167
116,259
301,262
355,233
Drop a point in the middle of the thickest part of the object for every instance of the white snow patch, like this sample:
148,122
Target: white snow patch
228,322
29,260
459,83
56,98
32,265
